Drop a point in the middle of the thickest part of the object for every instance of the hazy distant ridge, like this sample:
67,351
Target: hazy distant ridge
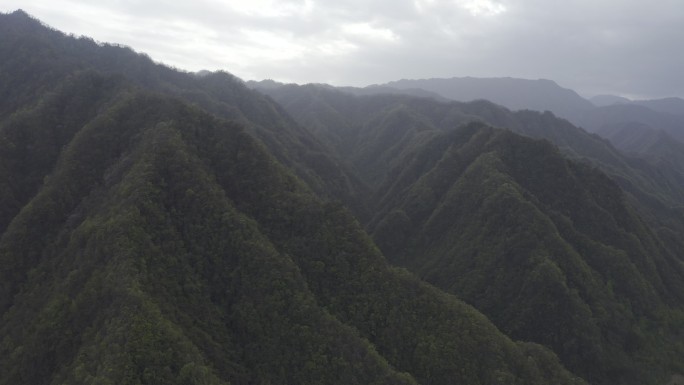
516,94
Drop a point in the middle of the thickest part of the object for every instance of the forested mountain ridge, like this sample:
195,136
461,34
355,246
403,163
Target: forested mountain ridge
545,95
546,248
148,240
159,262
608,112
644,130
346,123
501,220
153,275
38,58
608,115
165,227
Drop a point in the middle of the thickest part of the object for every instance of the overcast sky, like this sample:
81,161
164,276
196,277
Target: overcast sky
633,48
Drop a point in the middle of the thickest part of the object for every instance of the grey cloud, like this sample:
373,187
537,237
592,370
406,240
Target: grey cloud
625,47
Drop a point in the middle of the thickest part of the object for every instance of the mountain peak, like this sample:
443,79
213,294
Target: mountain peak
20,13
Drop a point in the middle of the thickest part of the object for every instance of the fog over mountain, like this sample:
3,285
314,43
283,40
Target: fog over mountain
162,226
630,48
516,94
608,100
606,115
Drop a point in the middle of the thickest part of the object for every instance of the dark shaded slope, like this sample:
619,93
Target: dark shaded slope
154,276
155,243
168,247
371,131
658,154
546,248
36,59
640,139
32,139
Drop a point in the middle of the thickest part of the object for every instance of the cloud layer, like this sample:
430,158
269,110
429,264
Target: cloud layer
626,47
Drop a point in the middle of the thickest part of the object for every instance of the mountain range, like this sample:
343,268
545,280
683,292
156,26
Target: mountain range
598,114
165,227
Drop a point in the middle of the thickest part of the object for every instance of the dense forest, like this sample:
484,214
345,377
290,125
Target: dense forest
566,241
165,227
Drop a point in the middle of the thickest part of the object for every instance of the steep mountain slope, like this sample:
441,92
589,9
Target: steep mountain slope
37,58
33,137
153,275
654,137
656,147
545,247
166,246
148,241
372,131
514,228
645,141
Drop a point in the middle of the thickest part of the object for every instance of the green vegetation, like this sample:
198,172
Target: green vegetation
173,248
547,249
154,277
158,227
552,251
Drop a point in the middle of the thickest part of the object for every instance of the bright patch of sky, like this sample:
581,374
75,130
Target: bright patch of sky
595,47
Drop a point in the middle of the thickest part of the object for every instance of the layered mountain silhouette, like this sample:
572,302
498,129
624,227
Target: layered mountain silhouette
478,211
598,119
513,93
645,141
599,114
608,100
162,227
359,127
146,239
672,105
643,129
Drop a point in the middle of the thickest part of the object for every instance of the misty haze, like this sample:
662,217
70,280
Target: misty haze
357,192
